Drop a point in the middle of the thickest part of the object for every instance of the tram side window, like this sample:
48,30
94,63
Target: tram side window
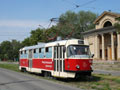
21,54
36,53
34,50
41,52
60,51
25,54
48,52
47,49
55,52
25,51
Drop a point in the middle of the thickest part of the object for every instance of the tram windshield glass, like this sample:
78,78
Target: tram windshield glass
78,51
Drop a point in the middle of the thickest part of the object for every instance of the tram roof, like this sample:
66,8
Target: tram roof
56,42
61,42
33,47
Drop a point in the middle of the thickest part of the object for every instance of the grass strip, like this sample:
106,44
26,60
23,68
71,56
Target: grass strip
14,67
96,82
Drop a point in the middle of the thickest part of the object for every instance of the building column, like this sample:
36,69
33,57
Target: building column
103,47
97,50
108,53
112,46
118,46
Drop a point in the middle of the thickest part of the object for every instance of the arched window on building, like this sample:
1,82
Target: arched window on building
107,24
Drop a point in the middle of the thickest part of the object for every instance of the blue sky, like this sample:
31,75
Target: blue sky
19,17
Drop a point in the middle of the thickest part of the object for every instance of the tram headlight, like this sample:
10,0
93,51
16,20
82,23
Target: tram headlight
91,67
90,61
77,66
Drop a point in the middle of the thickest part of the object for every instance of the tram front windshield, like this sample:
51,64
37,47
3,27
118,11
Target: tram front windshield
78,51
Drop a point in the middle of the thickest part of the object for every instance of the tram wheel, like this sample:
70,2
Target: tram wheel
47,74
23,70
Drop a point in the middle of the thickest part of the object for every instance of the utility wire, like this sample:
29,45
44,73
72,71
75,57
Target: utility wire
69,2
99,8
84,4
77,5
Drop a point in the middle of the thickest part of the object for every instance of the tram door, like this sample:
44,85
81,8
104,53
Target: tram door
30,59
58,60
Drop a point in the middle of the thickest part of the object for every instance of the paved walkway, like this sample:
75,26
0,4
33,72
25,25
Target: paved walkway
10,80
107,72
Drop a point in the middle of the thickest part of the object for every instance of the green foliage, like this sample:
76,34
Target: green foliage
51,33
107,87
76,23
70,25
117,26
67,23
36,36
14,67
118,18
9,50
117,80
86,19
16,45
26,42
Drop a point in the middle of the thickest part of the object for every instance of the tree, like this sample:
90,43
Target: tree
117,25
16,45
67,23
77,22
9,50
6,50
38,35
70,25
26,42
51,33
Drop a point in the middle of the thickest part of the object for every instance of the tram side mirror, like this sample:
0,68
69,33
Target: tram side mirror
92,55
64,49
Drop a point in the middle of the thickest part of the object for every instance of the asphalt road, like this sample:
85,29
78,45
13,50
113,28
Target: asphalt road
10,80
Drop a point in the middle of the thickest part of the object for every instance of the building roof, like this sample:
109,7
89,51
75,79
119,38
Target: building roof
106,13
101,30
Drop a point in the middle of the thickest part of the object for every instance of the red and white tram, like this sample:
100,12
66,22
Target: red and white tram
65,59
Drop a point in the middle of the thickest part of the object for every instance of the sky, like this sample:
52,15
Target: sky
19,17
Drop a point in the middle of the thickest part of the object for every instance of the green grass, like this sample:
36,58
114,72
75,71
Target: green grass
96,82
14,67
117,80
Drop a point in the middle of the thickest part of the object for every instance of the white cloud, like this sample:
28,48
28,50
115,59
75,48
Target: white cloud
23,23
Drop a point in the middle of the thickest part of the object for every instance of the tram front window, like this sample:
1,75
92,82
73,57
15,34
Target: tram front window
78,51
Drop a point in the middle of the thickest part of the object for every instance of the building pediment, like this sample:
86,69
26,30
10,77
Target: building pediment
106,19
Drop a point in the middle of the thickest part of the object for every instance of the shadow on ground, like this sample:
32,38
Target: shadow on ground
81,79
